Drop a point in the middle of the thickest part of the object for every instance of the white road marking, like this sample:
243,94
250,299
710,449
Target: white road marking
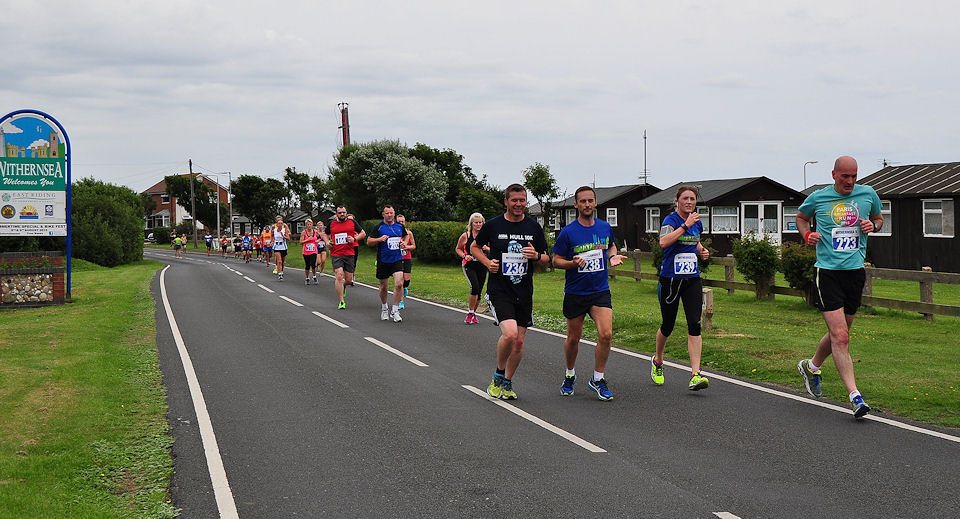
291,301
237,272
396,352
249,279
791,396
334,321
265,288
218,475
726,515
527,416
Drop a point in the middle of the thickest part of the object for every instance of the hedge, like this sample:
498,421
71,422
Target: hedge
436,241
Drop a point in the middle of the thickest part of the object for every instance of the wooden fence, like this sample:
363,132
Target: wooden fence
926,278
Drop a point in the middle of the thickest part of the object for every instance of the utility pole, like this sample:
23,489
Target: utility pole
344,123
193,204
230,200
643,175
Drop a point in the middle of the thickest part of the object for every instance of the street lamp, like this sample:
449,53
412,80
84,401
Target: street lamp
805,171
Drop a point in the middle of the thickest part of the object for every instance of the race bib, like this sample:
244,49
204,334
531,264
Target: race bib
685,263
513,264
845,238
594,260
340,238
310,247
393,243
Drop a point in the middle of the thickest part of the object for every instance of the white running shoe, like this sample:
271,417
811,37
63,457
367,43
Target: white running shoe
384,314
396,316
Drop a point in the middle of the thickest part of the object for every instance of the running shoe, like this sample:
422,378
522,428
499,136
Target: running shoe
600,388
860,408
567,388
496,386
315,280
467,320
342,306
401,305
698,382
473,319
507,392
274,270
656,372
306,281
396,316
810,378
384,314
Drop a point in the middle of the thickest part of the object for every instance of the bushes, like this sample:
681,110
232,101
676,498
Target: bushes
107,223
797,266
758,259
435,240
161,235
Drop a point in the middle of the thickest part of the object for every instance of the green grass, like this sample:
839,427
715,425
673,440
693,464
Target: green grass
905,365
83,430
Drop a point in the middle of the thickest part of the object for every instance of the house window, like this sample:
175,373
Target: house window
938,218
887,215
301,226
166,221
540,220
725,220
704,213
164,198
554,223
789,218
571,215
612,216
653,219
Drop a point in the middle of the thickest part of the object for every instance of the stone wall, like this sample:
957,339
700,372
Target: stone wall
31,279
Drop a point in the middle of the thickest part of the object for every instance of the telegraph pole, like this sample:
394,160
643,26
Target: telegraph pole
344,123
193,204
230,201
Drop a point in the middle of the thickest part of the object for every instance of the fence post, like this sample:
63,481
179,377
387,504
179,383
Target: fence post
926,293
728,274
868,281
636,264
706,316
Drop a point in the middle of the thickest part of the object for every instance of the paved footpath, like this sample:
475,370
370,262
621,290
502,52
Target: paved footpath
301,410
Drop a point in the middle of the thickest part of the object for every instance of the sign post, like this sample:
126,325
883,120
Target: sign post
35,178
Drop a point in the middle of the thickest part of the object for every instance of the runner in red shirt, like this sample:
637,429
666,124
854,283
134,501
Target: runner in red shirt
344,233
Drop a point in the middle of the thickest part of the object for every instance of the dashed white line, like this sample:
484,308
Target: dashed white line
542,423
249,279
265,288
396,352
332,320
291,301
237,272
726,515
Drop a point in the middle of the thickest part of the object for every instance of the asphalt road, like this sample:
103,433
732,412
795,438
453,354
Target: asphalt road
383,419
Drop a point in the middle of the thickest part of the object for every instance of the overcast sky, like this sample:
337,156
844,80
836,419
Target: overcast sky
723,89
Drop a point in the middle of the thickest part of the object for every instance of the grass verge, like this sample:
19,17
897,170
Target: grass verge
83,430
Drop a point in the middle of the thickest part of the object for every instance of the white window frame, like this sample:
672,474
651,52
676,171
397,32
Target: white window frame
612,216
654,213
788,211
166,221
887,214
943,220
704,213
714,216
164,198
571,216
554,223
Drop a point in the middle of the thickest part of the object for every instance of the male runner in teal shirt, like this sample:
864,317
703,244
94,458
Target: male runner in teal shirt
845,213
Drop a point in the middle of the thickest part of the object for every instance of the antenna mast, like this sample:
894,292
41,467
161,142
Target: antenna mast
645,172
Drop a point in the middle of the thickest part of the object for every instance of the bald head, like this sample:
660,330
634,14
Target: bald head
844,174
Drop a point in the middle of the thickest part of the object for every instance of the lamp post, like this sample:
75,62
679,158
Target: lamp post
805,171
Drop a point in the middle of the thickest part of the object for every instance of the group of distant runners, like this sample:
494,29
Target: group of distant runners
503,252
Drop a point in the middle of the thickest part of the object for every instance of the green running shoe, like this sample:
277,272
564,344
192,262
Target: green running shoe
698,382
810,378
860,408
496,386
656,372
508,393
342,306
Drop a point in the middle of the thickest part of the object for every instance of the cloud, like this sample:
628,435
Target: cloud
8,127
39,142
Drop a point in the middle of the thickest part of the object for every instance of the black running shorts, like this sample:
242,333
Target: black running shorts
507,308
575,305
835,289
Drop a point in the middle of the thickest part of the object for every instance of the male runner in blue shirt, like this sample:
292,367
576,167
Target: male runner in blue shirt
845,213
582,250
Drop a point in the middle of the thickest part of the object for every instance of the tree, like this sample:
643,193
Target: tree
107,223
205,199
542,186
447,161
258,199
149,204
486,200
367,176
298,186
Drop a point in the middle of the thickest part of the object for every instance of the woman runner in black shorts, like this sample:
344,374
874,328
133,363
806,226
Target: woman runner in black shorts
473,270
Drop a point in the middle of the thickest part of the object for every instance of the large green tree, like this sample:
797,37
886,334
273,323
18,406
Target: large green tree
447,161
205,198
107,223
298,187
366,176
258,199
541,184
